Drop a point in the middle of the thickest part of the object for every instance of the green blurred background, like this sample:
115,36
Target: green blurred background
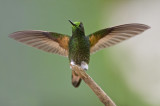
30,77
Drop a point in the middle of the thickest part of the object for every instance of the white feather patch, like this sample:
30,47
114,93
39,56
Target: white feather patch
72,63
84,65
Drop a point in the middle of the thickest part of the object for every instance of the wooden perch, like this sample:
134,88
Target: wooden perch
103,97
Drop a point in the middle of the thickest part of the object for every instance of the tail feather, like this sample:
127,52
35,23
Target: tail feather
76,80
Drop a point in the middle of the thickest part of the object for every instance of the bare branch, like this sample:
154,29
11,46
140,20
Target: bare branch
103,97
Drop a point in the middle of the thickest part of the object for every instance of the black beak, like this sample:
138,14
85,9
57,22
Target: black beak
71,22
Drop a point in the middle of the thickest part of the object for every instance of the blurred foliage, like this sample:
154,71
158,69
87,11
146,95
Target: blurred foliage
30,77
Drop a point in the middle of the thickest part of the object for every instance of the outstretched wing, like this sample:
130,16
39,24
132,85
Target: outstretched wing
110,36
47,41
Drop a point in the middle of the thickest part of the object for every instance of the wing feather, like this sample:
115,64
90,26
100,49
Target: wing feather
47,41
113,35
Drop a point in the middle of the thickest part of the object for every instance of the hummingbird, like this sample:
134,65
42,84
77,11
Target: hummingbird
79,46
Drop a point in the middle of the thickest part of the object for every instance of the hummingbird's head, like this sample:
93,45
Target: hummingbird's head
77,26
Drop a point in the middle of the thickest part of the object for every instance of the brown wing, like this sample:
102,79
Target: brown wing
111,36
47,41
